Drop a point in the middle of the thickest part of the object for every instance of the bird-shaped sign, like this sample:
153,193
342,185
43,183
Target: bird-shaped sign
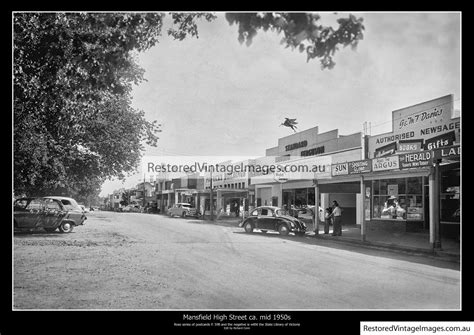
291,123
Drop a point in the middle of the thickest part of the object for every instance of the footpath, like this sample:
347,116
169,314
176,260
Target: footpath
416,243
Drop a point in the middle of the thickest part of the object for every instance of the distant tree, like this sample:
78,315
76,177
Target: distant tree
125,201
74,126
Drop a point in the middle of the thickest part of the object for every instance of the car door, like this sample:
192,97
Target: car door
54,213
266,220
34,214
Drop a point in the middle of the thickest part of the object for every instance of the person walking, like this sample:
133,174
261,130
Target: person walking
337,215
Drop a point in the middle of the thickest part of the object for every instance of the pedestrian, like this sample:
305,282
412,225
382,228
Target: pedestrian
337,216
327,220
237,209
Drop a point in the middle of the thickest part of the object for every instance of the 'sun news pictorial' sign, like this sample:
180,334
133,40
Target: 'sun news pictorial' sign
339,169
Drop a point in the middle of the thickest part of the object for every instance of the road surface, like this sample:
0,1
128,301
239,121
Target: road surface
146,261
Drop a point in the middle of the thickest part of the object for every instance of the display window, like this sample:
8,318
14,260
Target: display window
398,199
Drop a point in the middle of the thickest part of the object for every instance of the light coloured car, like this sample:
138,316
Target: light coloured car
84,208
131,208
182,209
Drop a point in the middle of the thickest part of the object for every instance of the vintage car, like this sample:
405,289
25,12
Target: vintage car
267,218
49,213
183,209
132,208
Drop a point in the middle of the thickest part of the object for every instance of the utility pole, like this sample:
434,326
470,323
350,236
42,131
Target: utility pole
211,199
143,191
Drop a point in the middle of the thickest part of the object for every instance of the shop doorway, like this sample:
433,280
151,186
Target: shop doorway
346,196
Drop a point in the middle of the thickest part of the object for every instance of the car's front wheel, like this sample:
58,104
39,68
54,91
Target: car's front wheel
248,227
283,229
183,215
66,227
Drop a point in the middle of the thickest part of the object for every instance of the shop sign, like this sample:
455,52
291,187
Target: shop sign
386,150
443,140
296,145
410,145
385,163
416,159
362,166
452,152
392,189
339,169
313,152
419,122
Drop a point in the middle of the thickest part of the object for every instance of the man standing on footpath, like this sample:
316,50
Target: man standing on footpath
337,215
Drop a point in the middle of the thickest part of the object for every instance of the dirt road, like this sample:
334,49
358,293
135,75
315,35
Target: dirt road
146,261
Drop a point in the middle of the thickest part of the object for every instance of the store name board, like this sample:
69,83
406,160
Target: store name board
429,122
385,163
386,150
313,152
413,145
416,160
362,166
420,117
453,152
339,169
443,140
296,145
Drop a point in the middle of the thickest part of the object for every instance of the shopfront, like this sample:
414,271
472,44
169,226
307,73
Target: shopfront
414,183
298,189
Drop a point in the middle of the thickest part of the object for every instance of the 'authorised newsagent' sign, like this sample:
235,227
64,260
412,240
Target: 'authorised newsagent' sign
385,163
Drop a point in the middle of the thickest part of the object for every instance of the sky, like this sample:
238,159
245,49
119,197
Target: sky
216,97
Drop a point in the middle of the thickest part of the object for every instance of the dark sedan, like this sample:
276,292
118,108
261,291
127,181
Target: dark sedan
49,213
273,218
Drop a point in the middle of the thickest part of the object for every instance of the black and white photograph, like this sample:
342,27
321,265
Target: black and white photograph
238,170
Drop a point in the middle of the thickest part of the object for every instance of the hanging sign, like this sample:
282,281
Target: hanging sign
450,153
361,166
385,163
416,159
339,169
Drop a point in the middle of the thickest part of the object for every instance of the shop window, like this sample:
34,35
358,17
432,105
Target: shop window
301,197
383,187
414,185
311,196
398,199
376,187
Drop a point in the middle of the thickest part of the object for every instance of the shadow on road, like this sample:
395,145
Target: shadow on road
39,233
361,249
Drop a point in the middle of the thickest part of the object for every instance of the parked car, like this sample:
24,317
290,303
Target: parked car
182,209
273,218
131,208
84,208
50,213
